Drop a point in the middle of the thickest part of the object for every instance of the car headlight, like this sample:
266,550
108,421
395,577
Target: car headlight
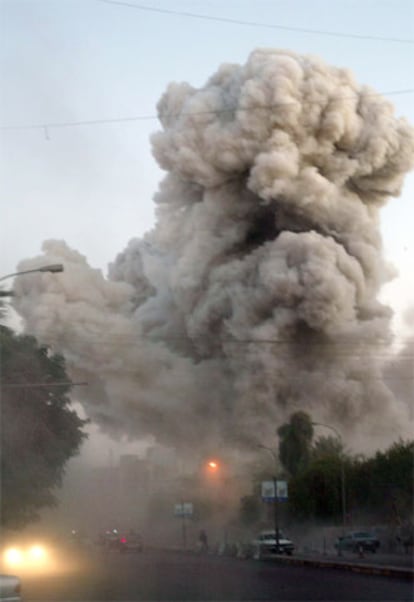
25,558
13,557
37,553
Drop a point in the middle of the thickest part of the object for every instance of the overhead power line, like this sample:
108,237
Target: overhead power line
231,21
41,385
349,348
90,122
65,124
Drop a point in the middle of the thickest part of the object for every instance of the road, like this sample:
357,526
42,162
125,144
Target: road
156,576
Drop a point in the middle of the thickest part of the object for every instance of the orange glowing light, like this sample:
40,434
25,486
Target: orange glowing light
212,465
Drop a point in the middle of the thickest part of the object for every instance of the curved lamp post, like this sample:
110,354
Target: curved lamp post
53,268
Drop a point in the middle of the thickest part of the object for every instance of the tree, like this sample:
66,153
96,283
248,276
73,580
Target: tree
39,430
315,493
325,447
379,486
383,484
295,442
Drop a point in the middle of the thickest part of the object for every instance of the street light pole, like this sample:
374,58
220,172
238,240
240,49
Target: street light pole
41,385
343,496
275,503
54,268
183,526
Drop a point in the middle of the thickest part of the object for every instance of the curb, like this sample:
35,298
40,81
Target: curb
369,569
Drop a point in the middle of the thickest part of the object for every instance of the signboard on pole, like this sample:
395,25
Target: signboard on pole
282,491
268,491
183,509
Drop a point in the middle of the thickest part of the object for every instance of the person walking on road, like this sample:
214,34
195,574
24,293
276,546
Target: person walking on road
203,541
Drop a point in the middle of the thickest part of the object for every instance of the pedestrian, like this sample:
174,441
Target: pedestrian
203,541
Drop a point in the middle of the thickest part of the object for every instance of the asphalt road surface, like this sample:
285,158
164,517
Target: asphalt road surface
157,576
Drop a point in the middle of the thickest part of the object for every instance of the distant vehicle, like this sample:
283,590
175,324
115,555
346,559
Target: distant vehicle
79,539
109,539
131,542
10,588
356,541
265,543
27,557
38,556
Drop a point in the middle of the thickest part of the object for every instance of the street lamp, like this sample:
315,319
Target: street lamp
40,385
343,496
54,268
275,504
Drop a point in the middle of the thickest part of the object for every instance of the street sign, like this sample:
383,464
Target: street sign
282,491
183,509
268,491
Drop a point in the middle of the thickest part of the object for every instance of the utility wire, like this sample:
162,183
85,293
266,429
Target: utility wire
231,21
345,348
63,124
41,385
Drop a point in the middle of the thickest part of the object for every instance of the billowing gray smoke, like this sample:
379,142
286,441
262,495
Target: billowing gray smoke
399,372
255,295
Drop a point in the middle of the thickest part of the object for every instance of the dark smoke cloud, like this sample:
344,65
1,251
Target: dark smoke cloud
256,293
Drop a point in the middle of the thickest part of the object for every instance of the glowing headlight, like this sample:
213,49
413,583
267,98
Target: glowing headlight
35,557
13,556
37,553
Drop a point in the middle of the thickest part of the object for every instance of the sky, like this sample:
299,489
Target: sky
81,79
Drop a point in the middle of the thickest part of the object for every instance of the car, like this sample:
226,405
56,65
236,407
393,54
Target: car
357,541
10,588
109,540
265,543
41,556
131,542
24,556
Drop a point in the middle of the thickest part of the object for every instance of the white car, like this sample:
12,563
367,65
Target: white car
10,588
265,544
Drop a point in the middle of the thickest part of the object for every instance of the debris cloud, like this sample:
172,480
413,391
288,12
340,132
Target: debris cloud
256,293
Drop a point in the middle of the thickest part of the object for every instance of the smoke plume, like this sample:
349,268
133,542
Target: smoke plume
256,293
